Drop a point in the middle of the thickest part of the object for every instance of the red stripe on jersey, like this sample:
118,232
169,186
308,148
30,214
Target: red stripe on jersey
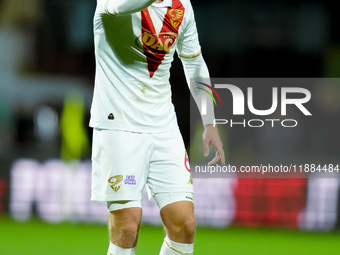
156,46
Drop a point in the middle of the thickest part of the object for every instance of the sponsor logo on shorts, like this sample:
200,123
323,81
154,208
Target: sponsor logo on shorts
190,198
115,182
130,180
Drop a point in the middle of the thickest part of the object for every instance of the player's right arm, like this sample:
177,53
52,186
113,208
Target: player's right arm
124,7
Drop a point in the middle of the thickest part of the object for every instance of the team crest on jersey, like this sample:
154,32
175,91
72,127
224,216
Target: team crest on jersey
115,182
175,15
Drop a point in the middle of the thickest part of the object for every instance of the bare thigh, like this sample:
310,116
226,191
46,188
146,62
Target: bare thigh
179,221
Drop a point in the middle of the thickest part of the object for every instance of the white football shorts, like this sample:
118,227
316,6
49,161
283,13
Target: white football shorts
124,162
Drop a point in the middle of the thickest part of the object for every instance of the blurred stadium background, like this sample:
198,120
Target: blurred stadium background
46,82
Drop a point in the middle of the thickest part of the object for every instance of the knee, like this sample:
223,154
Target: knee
189,227
179,221
124,235
128,230
124,227
182,231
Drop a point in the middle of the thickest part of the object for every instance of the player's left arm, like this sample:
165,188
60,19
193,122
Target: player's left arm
196,71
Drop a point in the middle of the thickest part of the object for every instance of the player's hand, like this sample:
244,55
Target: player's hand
211,137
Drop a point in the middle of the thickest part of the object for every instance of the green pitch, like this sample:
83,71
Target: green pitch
39,238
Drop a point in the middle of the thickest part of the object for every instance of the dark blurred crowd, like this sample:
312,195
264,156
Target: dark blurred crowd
61,32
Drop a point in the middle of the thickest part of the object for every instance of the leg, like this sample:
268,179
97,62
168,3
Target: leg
179,221
171,187
180,224
119,181
124,227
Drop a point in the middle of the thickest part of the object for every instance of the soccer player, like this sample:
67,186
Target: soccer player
136,139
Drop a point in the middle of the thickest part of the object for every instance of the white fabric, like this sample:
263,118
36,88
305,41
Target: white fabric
197,68
120,171
173,248
125,89
163,199
115,250
118,205
124,7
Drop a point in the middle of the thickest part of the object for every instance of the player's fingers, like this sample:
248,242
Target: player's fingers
206,148
214,160
220,151
222,155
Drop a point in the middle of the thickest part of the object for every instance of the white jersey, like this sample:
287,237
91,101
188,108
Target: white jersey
133,57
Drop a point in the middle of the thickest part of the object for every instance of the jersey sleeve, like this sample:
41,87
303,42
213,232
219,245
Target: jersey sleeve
198,80
188,43
124,7
195,68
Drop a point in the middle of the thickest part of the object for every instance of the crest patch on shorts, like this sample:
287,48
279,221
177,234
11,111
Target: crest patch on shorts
115,182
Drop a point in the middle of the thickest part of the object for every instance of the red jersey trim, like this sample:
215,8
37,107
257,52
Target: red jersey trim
156,46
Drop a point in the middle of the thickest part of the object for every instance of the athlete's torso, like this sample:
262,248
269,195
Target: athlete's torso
133,58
